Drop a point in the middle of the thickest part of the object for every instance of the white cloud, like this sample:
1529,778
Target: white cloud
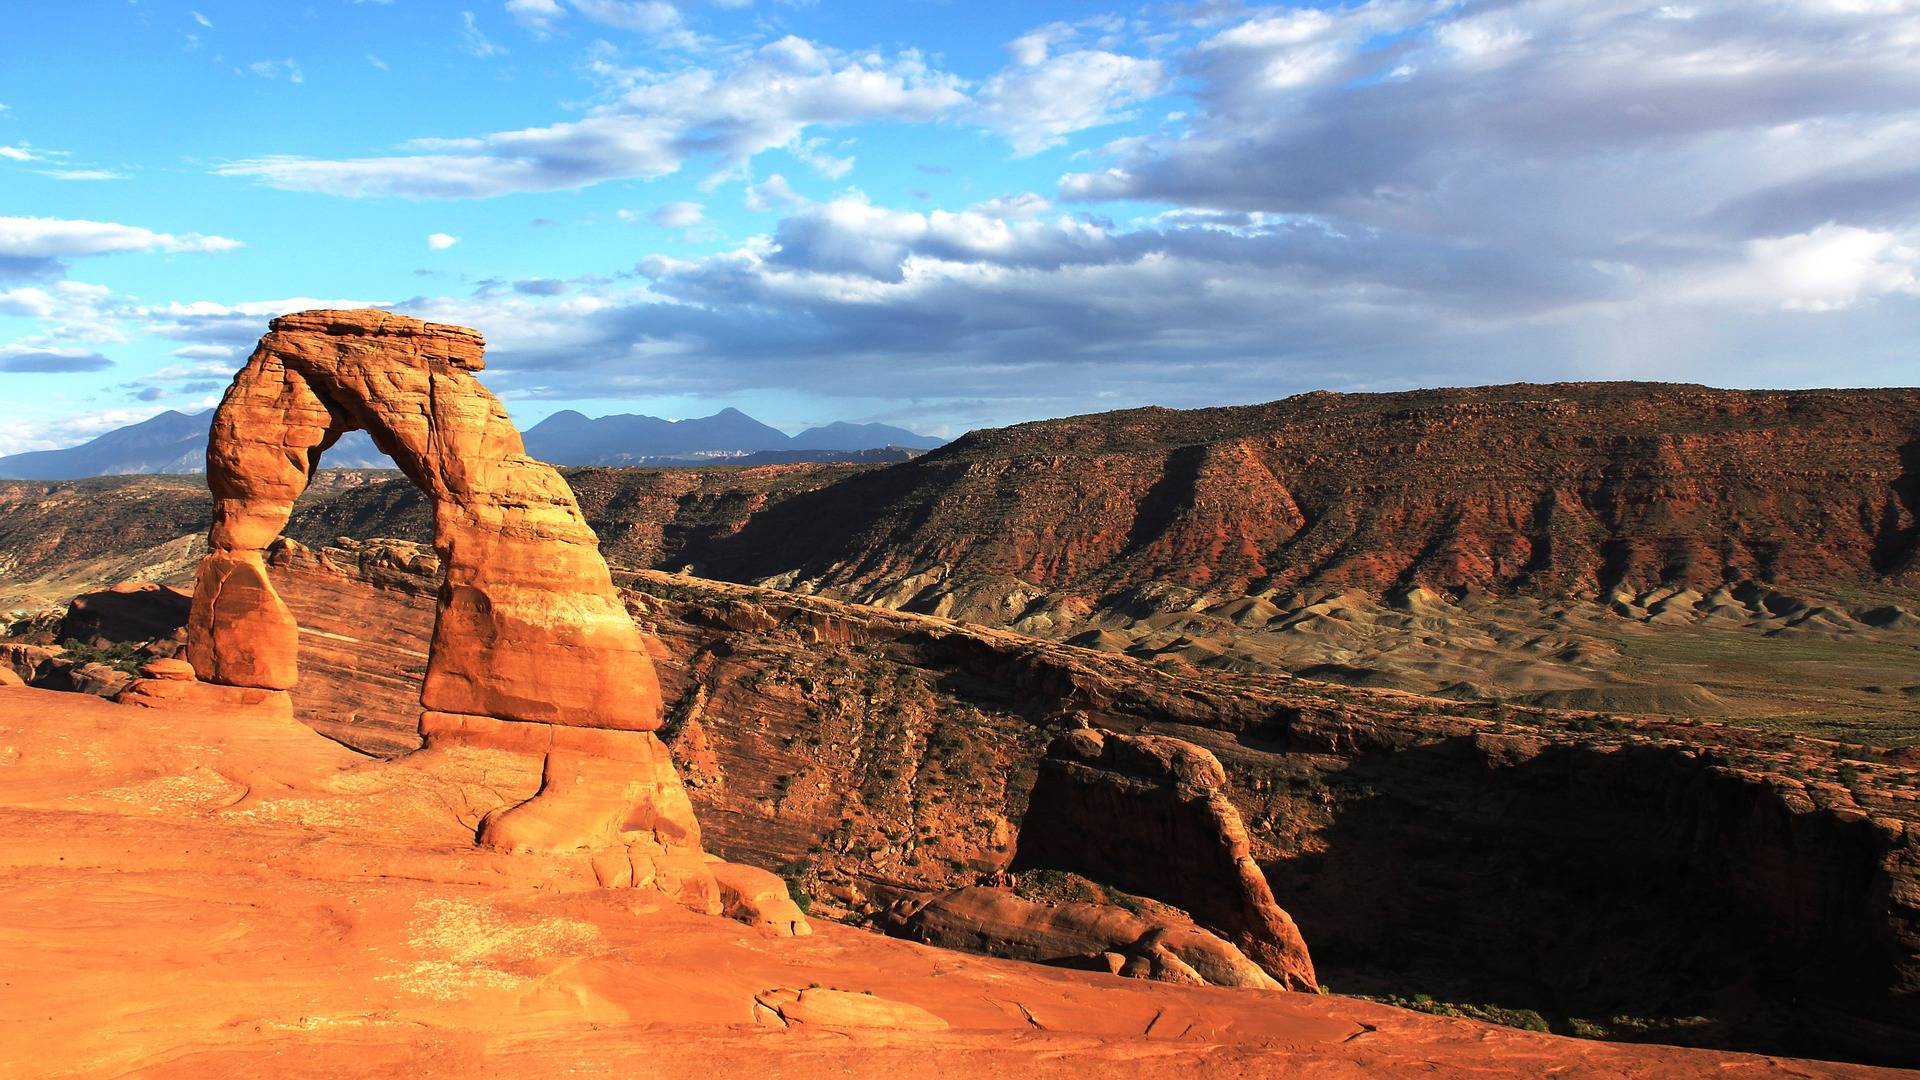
773,193
474,41
678,215
764,99
202,20
20,153
20,436
645,16
1831,268
206,369
1041,100
538,16
84,174
204,352
441,241
60,238
210,323
29,359
286,69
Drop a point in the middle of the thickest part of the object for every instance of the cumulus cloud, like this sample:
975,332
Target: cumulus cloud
19,359
1831,268
441,241
764,99
773,193
1013,307
1040,99
1758,153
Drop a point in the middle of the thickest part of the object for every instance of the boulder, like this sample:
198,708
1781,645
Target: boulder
167,669
759,898
131,612
27,661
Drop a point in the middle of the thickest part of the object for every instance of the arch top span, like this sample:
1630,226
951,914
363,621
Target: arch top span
528,625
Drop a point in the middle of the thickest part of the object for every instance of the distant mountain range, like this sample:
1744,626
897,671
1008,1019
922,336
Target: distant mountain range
569,438
176,442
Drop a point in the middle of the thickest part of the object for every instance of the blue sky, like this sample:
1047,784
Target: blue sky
950,215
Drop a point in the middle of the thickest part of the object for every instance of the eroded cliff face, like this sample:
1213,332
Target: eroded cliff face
1151,814
1670,880
1556,490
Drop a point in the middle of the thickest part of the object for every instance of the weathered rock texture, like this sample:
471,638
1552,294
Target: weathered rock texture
1546,489
532,650
1101,937
528,627
1151,814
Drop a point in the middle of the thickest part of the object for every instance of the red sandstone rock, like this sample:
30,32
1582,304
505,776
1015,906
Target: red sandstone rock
168,669
999,923
529,627
133,611
759,898
532,650
1149,814
821,1006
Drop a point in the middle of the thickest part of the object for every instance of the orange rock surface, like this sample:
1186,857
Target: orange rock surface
207,892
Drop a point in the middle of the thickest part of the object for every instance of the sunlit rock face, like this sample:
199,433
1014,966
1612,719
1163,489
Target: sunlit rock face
532,651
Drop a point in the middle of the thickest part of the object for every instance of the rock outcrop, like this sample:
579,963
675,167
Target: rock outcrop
532,651
1150,814
130,612
1101,937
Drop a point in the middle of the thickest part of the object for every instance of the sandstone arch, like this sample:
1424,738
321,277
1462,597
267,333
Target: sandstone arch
532,649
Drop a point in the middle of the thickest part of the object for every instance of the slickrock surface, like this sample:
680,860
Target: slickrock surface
219,894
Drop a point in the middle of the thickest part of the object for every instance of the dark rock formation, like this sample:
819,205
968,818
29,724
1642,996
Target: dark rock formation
133,612
1151,815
